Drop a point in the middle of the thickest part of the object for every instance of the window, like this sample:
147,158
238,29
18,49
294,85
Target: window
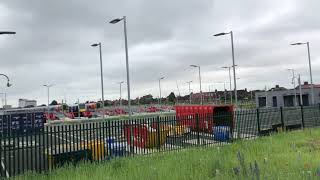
262,101
288,101
274,101
305,100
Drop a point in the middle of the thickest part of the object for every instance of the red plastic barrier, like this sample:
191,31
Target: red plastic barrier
138,134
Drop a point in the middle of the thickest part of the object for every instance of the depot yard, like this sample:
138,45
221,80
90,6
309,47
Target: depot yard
293,155
62,142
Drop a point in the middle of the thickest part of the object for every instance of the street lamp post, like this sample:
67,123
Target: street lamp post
233,65
48,92
160,90
5,98
230,81
189,82
120,99
294,85
101,73
201,98
310,70
225,94
224,90
114,21
300,91
8,85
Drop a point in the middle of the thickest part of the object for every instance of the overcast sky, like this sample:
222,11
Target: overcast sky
53,39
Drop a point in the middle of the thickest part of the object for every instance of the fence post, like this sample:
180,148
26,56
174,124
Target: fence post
281,117
235,121
258,121
319,111
198,129
158,132
302,116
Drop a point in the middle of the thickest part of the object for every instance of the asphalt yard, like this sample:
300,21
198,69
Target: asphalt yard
54,145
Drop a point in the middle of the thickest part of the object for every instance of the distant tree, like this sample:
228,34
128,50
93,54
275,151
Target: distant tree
171,98
147,99
65,107
99,105
107,103
54,102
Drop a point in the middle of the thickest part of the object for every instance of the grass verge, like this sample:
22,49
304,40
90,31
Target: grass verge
294,155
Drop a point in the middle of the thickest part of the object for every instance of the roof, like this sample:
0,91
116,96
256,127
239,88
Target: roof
277,89
308,86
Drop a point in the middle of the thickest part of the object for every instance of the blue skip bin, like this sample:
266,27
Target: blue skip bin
115,148
221,133
118,149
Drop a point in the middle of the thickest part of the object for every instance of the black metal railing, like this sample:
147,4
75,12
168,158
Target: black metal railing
29,145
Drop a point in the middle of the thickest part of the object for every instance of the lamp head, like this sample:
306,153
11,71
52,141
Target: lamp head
294,44
95,45
115,21
220,34
7,32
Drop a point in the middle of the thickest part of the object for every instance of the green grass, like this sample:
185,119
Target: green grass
293,155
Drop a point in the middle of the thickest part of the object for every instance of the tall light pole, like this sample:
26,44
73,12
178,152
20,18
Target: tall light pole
310,70
300,91
179,95
230,81
48,92
189,82
224,90
233,65
201,98
5,98
101,74
3,33
8,85
120,99
114,21
294,85
160,90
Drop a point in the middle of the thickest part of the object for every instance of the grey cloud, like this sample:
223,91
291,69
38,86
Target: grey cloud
53,44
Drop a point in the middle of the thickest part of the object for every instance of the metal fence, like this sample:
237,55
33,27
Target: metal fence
38,148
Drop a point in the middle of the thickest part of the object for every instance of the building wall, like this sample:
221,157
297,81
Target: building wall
281,93
26,102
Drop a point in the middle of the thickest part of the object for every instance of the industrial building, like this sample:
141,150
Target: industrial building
27,103
282,97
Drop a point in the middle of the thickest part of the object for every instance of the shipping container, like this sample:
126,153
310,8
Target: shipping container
208,116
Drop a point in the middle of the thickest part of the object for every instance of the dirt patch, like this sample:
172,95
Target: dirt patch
310,145
314,144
